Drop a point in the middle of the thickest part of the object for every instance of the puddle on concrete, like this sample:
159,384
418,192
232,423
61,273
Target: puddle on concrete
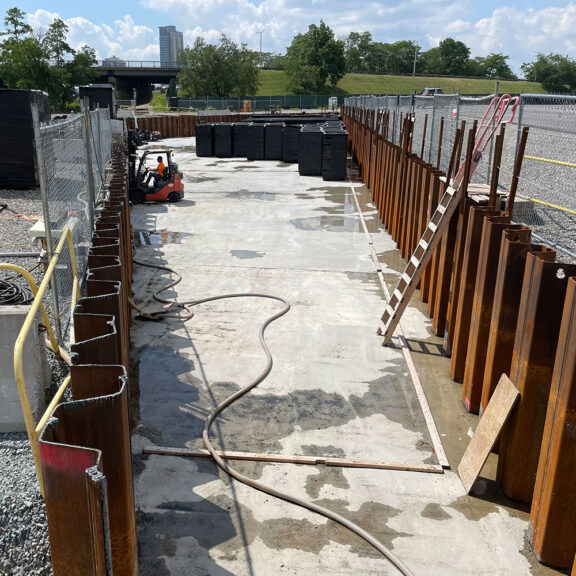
202,179
435,512
370,279
187,149
229,527
393,260
244,166
246,254
245,194
157,237
329,223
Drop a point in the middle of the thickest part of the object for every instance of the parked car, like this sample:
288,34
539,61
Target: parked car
431,91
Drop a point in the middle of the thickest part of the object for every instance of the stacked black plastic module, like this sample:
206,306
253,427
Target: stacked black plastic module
241,139
17,154
223,140
334,151
205,140
310,152
255,145
291,142
273,141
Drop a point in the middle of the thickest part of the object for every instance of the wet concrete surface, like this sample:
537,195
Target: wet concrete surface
334,391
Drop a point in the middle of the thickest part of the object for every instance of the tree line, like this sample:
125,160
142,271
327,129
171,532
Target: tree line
314,62
43,60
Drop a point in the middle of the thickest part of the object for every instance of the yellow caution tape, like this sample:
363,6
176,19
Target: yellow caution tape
549,161
567,210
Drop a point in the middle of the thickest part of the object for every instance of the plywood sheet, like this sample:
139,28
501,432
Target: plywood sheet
497,412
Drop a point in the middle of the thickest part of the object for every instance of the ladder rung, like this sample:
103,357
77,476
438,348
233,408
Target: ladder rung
397,294
440,209
406,278
414,261
432,226
390,311
423,244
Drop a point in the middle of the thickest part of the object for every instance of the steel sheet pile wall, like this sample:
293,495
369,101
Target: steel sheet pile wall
85,447
181,125
499,301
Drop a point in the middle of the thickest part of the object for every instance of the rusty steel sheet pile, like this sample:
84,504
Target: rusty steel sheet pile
552,515
85,446
500,303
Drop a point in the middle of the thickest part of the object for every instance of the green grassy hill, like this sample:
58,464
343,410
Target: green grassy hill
275,83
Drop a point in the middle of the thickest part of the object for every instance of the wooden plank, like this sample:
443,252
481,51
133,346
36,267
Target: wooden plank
497,412
287,459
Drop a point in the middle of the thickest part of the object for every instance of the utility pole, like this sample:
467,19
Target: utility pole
414,67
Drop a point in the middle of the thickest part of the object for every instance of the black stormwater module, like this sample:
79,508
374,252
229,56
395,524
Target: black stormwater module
256,140
17,156
223,134
334,152
240,140
273,141
310,153
291,142
205,140
318,144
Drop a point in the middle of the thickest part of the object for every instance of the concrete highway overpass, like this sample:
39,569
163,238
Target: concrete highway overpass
135,76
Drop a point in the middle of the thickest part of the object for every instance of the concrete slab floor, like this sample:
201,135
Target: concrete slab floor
258,227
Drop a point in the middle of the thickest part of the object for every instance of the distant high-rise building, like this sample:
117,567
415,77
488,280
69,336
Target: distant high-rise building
171,44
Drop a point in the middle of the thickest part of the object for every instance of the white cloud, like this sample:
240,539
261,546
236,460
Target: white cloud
521,34
123,38
517,32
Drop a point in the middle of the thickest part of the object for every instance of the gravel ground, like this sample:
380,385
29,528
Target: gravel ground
24,546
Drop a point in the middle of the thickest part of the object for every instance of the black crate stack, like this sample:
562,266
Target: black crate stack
334,151
310,152
273,141
223,138
205,140
291,142
256,142
319,148
17,154
241,139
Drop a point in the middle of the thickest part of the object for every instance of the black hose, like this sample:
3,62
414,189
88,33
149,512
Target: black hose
13,294
366,536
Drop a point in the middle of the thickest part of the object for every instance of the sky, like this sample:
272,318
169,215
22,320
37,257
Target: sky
129,29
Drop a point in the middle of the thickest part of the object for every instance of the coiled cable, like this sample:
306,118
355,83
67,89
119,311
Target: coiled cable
12,293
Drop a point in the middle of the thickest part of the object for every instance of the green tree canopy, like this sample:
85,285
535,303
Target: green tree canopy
223,70
455,56
556,73
492,66
315,58
43,61
357,49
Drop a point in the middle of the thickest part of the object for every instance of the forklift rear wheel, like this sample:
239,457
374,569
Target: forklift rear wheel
173,197
138,197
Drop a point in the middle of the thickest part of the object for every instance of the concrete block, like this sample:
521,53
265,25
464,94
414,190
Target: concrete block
37,371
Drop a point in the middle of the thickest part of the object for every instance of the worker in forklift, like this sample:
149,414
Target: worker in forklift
158,174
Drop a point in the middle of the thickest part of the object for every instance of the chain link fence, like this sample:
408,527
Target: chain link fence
546,196
73,155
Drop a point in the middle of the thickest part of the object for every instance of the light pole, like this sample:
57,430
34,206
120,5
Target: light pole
414,67
261,32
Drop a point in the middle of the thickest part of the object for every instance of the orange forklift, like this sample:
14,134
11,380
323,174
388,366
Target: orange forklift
148,185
